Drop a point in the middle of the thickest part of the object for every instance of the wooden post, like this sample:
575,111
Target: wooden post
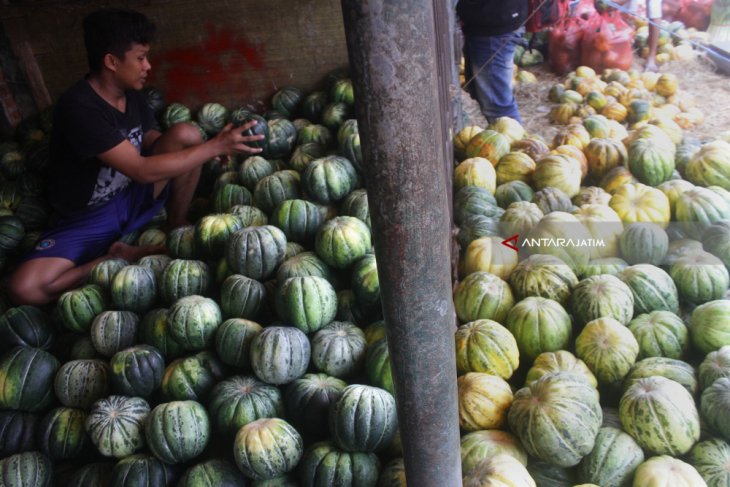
399,104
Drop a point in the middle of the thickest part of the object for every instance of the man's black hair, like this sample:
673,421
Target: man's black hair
113,31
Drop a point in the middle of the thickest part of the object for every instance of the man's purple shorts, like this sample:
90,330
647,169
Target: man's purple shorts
87,235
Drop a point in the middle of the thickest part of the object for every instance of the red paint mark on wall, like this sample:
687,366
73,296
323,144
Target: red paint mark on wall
198,73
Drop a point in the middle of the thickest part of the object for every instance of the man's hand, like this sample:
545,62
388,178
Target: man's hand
231,139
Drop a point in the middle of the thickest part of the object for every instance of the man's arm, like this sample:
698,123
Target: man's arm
125,158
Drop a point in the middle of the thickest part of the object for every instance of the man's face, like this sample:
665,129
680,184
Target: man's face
133,69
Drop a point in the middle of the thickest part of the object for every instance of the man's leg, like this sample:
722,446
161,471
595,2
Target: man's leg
41,281
654,13
492,60
182,188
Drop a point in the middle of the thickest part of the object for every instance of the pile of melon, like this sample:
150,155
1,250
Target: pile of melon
629,98
254,351
598,352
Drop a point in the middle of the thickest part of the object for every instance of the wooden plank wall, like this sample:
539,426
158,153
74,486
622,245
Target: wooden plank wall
232,52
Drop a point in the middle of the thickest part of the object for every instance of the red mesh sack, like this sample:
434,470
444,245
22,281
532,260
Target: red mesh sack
607,42
670,9
564,41
585,9
695,13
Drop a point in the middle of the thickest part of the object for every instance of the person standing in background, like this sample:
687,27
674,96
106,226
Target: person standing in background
654,14
492,29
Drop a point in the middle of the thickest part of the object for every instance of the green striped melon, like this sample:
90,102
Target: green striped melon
545,276
652,287
78,307
116,425
341,241
217,471
664,470
267,448
660,334
363,419
484,400
280,354
329,179
80,383
660,415
27,469
141,469
307,302
560,361
603,295
192,377
539,325
356,204
113,331
308,401
709,326
673,369
154,330
180,242
193,321
377,365
62,433
17,432
501,469
241,297
233,341
711,458
256,252
478,445
482,295
27,326
103,272
279,186
338,349
240,400
714,366
156,262
714,405
185,441
253,169
184,277
212,233
229,195
608,348
134,288
305,263
324,463
486,346
298,219
137,371
282,138
700,277
556,418
643,243
612,461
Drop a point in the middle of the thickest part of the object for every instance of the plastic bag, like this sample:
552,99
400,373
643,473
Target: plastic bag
695,13
607,42
544,13
564,41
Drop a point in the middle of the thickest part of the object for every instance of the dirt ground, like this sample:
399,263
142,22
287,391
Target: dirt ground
698,78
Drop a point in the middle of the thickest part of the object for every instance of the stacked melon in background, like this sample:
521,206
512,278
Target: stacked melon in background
253,352
599,352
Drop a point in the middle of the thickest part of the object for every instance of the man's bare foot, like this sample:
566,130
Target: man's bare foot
132,253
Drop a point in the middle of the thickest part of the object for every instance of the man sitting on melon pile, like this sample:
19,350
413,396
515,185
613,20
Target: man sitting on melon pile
111,171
